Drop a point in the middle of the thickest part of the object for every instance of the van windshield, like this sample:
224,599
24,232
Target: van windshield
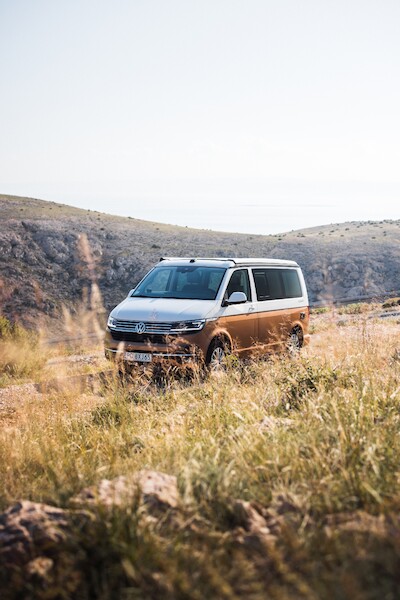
185,282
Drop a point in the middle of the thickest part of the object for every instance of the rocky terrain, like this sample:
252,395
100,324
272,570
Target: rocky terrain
49,549
53,255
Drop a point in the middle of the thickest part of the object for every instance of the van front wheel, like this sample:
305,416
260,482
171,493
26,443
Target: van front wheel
216,355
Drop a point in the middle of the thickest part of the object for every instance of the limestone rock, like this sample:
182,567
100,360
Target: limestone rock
247,516
27,528
156,491
38,547
356,522
252,530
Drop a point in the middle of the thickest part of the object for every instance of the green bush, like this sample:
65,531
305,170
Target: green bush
391,303
319,310
356,308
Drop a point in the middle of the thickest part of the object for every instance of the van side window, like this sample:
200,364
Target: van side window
291,283
262,287
239,282
268,284
275,284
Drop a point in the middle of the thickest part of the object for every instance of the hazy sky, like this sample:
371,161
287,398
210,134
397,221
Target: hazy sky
251,115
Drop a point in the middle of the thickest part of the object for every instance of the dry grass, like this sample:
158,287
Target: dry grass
20,355
313,439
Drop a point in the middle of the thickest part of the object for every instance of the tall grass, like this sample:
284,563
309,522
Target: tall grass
307,439
20,353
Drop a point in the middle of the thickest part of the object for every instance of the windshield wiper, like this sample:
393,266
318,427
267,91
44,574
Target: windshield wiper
140,296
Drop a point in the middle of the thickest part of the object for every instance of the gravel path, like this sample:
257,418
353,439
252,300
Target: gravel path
16,395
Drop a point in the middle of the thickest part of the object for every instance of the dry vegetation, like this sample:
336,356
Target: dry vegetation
312,442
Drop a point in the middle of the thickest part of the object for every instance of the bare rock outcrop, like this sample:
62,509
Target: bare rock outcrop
152,489
249,517
47,549
47,552
358,522
64,250
38,546
255,529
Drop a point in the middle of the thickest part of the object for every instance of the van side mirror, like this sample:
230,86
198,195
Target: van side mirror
237,298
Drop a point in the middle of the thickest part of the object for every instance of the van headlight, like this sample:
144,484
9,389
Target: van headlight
185,326
111,322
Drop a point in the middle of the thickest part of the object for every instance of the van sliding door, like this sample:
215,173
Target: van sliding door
240,320
269,291
279,303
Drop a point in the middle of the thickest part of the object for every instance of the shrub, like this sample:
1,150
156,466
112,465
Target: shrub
319,310
13,331
356,308
305,376
392,302
19,352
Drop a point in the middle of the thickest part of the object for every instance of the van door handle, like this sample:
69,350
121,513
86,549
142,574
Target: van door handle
251,309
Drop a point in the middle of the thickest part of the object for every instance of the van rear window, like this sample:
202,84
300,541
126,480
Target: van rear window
275,284
291,283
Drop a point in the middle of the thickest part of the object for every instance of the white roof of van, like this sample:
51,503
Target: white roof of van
229,262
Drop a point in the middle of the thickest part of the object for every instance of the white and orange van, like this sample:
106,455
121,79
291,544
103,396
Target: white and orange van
191,308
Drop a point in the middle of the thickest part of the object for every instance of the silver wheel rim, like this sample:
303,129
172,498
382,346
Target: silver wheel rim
217,357
294,343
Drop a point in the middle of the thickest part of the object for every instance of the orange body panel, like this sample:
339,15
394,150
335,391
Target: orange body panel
247,333
275,326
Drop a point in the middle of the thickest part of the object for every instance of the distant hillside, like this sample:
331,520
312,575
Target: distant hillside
50,253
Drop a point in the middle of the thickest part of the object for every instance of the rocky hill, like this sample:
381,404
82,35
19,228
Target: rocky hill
53,255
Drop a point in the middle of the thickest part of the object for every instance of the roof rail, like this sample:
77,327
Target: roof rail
194,258
242,262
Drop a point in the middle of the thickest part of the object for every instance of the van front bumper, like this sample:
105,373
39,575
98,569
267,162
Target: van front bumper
192,346
119,354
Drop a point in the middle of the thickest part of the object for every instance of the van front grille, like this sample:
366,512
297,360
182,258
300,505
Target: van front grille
151,327
138,338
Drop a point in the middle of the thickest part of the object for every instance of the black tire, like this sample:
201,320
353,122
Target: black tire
295,341
216,355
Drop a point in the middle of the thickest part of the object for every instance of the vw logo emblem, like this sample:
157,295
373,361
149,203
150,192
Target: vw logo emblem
140,328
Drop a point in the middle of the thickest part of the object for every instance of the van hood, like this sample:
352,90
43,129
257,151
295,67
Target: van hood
167,310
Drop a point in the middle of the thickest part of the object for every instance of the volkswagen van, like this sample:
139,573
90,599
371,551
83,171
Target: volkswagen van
204,308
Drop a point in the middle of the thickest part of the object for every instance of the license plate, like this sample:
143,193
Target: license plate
138,356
